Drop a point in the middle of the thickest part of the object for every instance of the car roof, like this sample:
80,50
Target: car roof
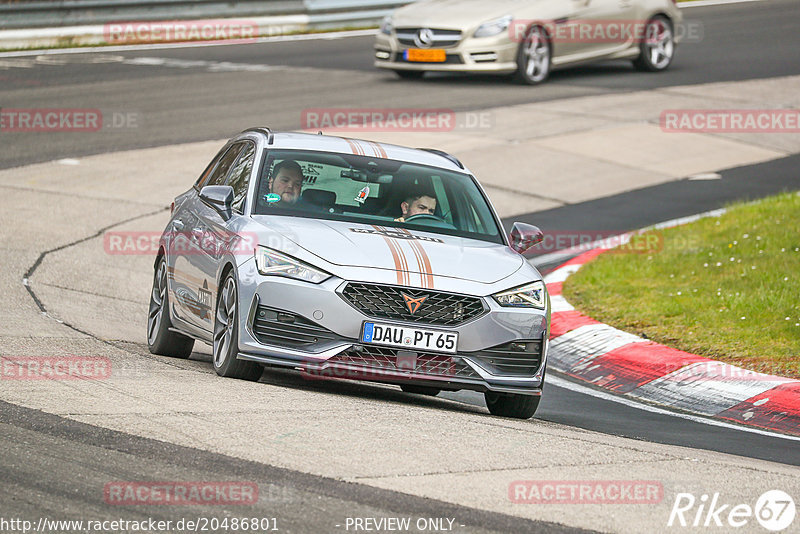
335,144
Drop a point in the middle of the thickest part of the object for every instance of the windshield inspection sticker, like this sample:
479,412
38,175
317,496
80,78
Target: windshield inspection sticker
272,198
396,234
362,195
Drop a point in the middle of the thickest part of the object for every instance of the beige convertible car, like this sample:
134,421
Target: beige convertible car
527,38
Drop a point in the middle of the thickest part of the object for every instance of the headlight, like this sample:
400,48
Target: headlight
270,262
528,296
386,25
494,27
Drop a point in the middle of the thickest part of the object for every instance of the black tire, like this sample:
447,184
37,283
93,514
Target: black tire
420,390
410,74
534,57
226,335
160,339
657,49
512,405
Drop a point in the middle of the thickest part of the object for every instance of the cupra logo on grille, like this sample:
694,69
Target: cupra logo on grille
413,303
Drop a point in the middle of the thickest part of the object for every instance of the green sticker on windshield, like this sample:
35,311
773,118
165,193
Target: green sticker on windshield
272,197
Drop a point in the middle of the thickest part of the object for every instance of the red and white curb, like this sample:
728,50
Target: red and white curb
595,353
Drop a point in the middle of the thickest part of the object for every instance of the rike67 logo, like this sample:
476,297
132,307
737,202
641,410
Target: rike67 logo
774,510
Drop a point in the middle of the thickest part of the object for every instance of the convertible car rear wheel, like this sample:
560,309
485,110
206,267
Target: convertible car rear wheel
658,46
511,405
160,339
226,336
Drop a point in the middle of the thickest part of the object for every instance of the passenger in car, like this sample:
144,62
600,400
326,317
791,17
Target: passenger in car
418,201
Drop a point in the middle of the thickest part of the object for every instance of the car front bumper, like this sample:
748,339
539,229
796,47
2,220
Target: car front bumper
320,315
486,54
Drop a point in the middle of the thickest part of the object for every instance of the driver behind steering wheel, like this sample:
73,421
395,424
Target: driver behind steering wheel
417,202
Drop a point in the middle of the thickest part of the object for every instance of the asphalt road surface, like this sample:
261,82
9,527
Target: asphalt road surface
192,94
180,95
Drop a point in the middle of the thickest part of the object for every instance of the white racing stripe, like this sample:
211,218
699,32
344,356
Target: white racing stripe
708,388
572,386
559,304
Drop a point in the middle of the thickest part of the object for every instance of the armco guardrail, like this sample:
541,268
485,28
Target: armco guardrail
49,14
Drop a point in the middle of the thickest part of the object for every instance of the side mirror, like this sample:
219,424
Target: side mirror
524,236
219,197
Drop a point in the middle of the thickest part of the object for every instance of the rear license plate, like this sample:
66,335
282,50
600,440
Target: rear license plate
432,55
409,338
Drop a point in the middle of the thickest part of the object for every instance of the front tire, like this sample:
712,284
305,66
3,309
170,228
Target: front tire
512,405
226,336
534,57
160,339
658,47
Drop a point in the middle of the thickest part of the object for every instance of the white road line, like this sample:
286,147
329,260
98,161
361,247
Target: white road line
572,386
707,3
565,254
327,36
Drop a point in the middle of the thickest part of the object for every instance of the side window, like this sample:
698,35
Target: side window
211,166
220,172
239,177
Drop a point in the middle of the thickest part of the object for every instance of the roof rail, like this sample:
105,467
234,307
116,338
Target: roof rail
445,155
264,130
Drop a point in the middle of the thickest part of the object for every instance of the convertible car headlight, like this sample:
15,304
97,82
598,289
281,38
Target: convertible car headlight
494,27
386,25
527,296
271,262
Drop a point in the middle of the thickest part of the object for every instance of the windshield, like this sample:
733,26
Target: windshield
374,191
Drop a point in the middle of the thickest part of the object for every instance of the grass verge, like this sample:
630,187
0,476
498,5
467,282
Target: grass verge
727,288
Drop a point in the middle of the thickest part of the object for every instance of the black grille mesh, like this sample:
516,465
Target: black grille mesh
518,358
273,327
386,359
387,302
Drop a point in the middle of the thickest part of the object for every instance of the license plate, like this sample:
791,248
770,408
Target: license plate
432,55
409,338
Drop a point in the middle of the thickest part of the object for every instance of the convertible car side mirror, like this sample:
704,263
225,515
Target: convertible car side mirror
524,236
219,197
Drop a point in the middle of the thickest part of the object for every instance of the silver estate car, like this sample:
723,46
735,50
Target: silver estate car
528,38
344,258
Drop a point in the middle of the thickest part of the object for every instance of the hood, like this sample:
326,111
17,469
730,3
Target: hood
420,254
455,14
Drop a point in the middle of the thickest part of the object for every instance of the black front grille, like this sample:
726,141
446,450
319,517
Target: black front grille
441,38
518,358
375,359
450,59
388,302
275,327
